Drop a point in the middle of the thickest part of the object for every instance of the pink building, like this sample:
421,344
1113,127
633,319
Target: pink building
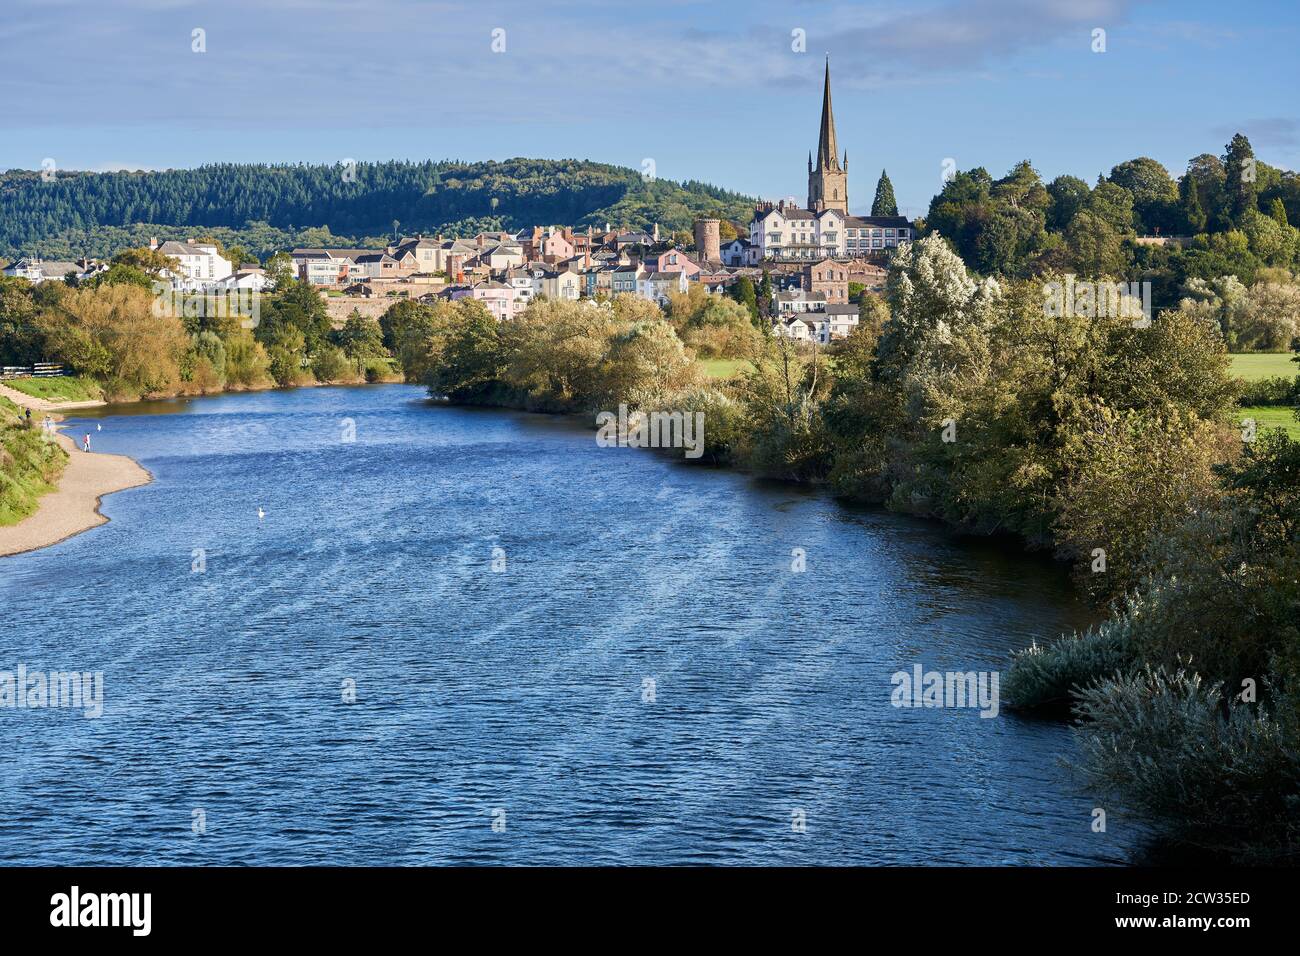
673,260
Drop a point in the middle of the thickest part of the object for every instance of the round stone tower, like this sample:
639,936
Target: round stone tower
708,241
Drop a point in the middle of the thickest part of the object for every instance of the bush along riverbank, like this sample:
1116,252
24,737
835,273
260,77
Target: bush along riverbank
124,347
1111,443
30,465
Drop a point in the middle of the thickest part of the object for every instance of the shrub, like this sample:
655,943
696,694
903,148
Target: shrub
247,364
1047,676
1222,775
1274,390
1133,475
331,365
29,465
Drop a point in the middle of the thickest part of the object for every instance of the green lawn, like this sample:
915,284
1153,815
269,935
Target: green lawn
66,389
1272,416
1257,365
722,368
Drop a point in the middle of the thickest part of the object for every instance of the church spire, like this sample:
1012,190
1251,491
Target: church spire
826,145
828,181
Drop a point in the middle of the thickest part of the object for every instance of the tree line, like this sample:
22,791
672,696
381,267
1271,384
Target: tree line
1232,213
351,201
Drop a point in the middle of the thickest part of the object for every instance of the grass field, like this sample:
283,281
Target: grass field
66,389
722,368
718,369
1254,366
1257,365
1272,416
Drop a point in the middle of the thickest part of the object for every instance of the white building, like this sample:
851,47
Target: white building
822,323
558,285
659,286
841,320
806,327
200,263
785,231
871,235
38,270
253,280
521,280
797,302
739,252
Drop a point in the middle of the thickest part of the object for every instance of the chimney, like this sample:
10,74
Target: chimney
153,243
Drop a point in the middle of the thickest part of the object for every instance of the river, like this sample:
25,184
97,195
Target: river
642,679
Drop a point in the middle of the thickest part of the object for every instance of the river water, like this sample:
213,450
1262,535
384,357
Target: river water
642,679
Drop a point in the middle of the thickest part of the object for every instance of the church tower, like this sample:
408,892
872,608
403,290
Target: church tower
828,181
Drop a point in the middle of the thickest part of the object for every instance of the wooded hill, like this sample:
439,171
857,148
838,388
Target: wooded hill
265,207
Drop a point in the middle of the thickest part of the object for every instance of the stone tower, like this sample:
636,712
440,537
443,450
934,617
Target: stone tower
708,240
828,181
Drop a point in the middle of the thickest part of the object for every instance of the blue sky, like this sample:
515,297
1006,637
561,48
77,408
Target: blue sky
711,91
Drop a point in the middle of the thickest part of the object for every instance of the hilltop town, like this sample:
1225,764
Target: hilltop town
818,258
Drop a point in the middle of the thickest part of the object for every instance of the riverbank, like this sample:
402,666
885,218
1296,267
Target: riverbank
73,507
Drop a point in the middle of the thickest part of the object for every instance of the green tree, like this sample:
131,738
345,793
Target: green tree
1190,204
742,290
1094,246
298,306
1277,211
765,295
884,204
1113,204
1239,184
21,339
361,340
1069,194
474,360
1154,192
151,262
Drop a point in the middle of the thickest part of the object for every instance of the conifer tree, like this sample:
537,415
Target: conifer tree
884,203
1240,190
1277,211
1191,202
